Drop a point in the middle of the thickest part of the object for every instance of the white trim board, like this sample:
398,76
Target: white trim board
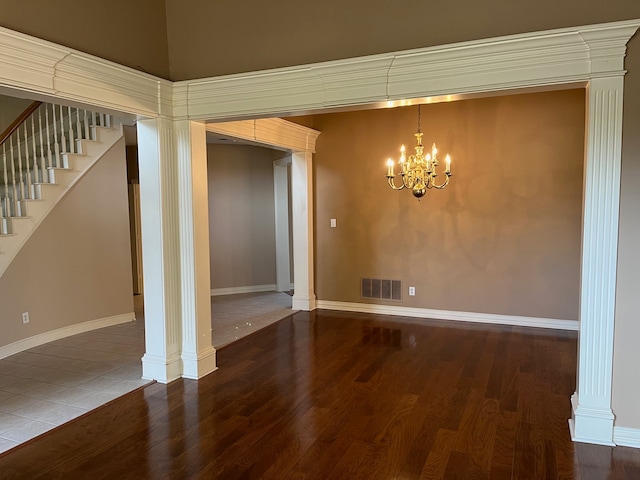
626,437
270,287
428,313
53,335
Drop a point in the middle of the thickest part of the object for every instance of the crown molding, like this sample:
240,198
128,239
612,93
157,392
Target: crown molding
49,71
530,60
533,60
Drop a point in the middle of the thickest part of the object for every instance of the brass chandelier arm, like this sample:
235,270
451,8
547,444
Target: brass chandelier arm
444,184
392,183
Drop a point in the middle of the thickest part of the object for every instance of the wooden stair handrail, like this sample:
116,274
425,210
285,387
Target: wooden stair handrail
18,121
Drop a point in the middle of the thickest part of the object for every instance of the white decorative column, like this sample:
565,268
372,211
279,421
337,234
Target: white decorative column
160,250
281,208
592,417
198,355
304,297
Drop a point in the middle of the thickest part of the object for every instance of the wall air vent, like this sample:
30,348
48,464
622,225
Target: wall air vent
380,288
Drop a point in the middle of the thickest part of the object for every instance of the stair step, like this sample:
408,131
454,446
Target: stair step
56,172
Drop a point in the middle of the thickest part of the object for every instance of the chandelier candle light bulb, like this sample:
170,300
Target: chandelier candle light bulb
419,173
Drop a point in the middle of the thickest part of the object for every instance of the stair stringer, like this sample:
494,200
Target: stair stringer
77,165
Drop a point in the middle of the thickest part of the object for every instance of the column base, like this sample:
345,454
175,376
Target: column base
161,369
299,302
591,424
197,366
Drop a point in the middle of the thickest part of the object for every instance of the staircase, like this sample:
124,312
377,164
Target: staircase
42,155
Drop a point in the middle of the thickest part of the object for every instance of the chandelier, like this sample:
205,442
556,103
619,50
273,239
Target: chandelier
418,173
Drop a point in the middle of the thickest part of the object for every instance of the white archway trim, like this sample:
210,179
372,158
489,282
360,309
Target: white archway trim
301,141
273,132
48,70
538,59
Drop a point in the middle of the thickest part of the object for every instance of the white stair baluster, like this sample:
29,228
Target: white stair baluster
49,159
87,132
7,210
63,138
27,163
14,204
37,172
56,146
20,176
43,158
72,141
78,125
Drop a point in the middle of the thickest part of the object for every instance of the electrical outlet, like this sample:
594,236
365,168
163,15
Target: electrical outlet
333,223
412,291
25,318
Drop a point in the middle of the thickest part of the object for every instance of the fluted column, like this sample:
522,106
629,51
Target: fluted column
592,417
304,297
160,250
198,355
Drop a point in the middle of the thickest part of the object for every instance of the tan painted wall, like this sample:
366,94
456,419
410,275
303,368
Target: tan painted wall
215,38
503,238
241,215
10,109
132,33
76,266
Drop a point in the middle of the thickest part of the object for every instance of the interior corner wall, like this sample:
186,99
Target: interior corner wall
129,33
76,266
241,216
626,375
503,238
10,109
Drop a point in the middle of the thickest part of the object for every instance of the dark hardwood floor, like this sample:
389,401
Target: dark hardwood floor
332,395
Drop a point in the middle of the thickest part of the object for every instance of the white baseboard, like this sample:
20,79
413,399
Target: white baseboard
626,437
450,315
271,287
53,335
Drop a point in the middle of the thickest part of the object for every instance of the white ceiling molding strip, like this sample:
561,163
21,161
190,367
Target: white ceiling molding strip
51,71
532,60
539,59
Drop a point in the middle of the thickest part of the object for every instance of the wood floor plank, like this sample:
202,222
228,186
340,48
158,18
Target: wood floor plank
333,395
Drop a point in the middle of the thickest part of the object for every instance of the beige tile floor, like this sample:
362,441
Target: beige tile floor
236,316
49,385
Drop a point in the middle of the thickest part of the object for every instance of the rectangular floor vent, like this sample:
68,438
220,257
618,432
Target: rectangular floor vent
382,289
